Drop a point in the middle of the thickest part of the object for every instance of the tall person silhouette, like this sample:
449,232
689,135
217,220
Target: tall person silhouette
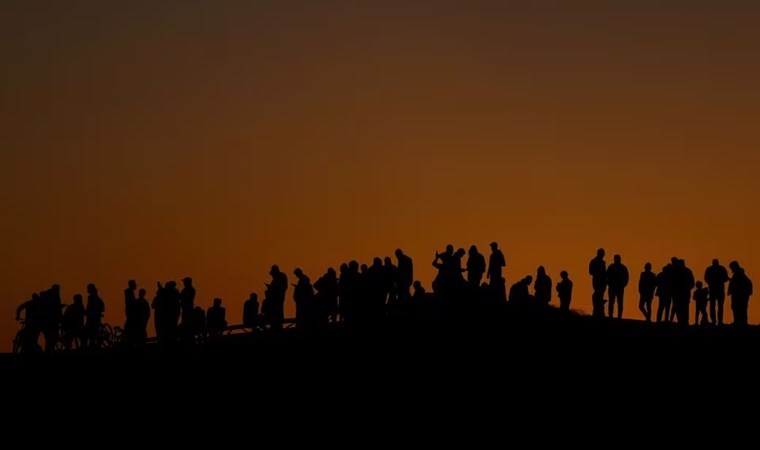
597,268
716,277
647,287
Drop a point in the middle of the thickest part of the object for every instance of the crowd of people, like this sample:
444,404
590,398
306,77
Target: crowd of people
360,294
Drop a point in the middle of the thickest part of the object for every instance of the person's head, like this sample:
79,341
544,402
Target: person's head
353,265
699,285
388,261
253,296
77,299
460,252
473,249
344,268
298,272
449,249
91,289
142,293
600,253
399,253
618,259
56,288
715,262
674,260
734,266
564,275
541,270
528,279
364,268
648,267
132,284
494,246
417,285
187,281
217,302
274,270
331,273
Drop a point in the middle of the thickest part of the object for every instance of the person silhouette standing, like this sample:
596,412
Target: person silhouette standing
130,302
496,262
94,314
701,294
647,287
740,290
276,291
216,318
405,275
73,324
476,267
617,280
187,304
565,291
716,277
597,268
542,288
303,296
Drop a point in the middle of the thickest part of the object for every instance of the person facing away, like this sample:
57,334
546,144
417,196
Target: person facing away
216,318
405,275
73,324
142,317
419,292
251,311
617,280
542,288
647,287
597,268
476,266
664,293
740,290
565,291
716,277
496,262
51,316
187,305
276,291
701,295
303,296
94,314
326,298
130,303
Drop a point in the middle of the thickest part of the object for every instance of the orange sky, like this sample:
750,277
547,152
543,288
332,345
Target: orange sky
213,139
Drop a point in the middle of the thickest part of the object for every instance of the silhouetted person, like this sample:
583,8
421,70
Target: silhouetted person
390,280
444,262
199,317
33,311
617,280
682,284
251,311
701,295
405,275
647,287
476,266
142,317
542,288
130,304
565,291
597,268
326,298
303,296
216,318
51,316
519,293
187,305
716,277
740,290
73,324
664,293
94,314
496,262
275,296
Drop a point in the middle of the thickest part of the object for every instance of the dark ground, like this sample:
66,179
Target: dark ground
512,368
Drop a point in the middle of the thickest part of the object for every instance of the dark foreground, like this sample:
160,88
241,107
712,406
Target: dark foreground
509,365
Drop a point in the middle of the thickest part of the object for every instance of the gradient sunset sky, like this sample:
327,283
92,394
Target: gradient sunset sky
156,140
